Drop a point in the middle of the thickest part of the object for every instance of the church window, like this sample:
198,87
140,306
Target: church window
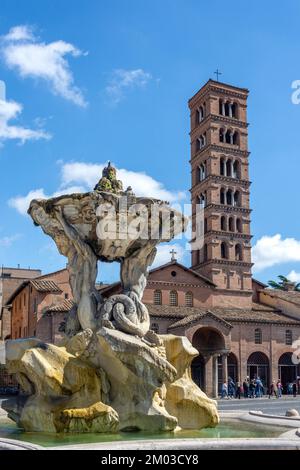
231,224
157,297
289,337
223,223
257,336
173,298
189,299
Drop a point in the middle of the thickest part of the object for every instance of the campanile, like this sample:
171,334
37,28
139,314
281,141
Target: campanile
220,186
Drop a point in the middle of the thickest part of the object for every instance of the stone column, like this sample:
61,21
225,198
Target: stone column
209,375
230,109
225,368
223,108
215,380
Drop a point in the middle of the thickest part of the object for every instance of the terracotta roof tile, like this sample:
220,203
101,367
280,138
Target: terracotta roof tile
64,306
258,314
45,286
289,296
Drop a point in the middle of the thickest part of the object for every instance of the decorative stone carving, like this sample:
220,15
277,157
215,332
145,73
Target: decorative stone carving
113,372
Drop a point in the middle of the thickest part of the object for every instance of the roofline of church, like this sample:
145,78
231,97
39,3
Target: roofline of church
175,262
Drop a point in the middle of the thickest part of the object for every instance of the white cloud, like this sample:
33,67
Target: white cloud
11,110
294,276
123,80
8,241
82,177
22,51
271,250
163,255
19,33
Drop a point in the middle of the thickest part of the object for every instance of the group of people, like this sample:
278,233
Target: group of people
255,388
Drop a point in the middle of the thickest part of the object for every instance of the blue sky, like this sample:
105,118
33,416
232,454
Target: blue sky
110,80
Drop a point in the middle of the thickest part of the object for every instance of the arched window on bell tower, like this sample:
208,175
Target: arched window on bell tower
222,196
223,223
231,224
239,225
229,167
236,199
224,250
229,197
222,137
236,169
222,167
238,252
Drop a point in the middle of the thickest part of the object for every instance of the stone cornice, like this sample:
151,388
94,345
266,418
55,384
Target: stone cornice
179,284
225,208
226,262
233,122
220,89
226,179
219,148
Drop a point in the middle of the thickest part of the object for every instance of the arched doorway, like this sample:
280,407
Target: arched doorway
208,341
287,371
204,368
198,371
258,366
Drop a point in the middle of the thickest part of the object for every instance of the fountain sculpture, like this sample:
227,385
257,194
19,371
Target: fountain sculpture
112,372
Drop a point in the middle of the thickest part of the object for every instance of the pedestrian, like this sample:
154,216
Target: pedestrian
289,388
238,390
279,388
251,389
224,390
273,390
295,389
246,388
231,387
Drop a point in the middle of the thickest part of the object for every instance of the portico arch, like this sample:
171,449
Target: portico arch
287,370
211,344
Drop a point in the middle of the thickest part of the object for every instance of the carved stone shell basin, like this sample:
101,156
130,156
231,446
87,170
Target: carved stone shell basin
92,214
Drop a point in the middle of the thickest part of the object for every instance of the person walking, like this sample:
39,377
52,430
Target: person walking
273,390
279,388
224,390
251,389
295,389
238,390
231,387
246,388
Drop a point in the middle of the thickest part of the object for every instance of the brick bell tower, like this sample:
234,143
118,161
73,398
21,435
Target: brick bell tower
220,190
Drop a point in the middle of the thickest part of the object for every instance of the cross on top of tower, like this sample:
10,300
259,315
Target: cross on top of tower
173,253
217,73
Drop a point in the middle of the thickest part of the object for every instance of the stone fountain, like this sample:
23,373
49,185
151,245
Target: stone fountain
112,373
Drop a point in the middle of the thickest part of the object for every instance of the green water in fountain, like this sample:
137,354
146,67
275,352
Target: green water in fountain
234,429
